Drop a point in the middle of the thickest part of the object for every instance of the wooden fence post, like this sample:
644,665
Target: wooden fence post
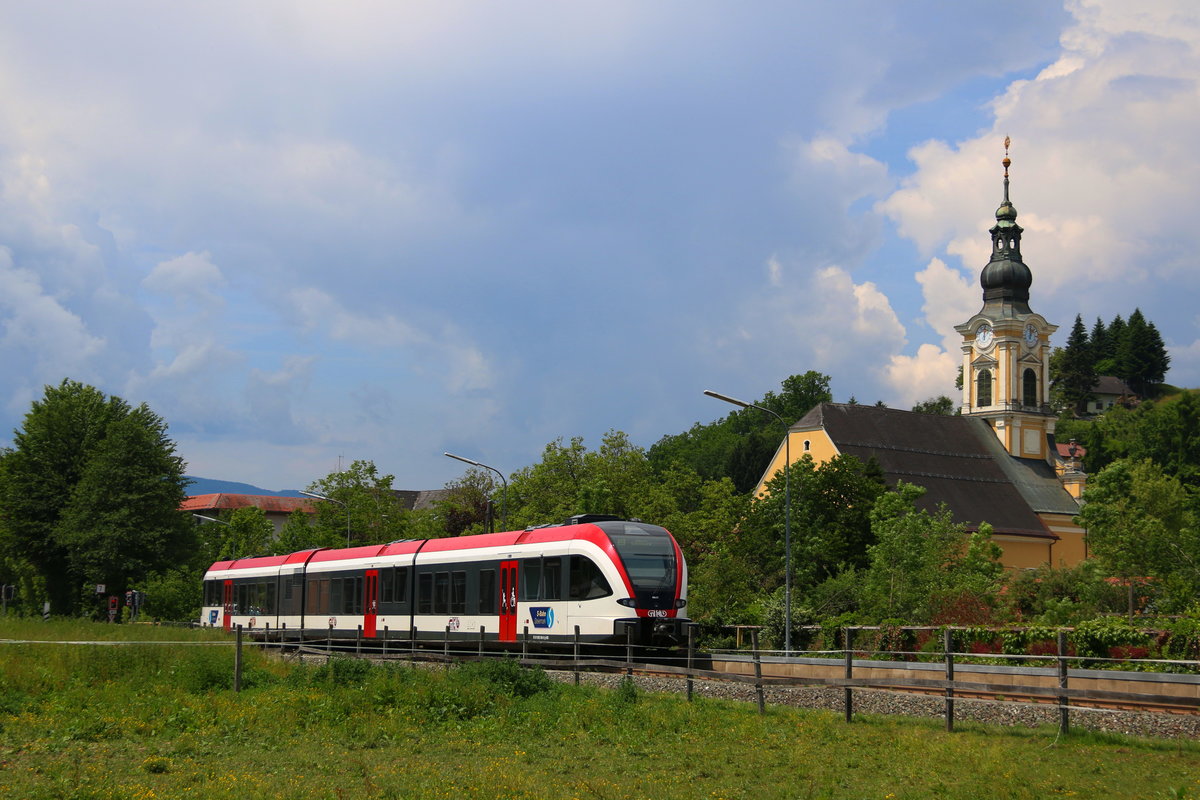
329,644
358,642
576,653
237,662
525,644
628,649
848,634
948,647
691,658
758,687
1063,712
385,641
412,646
446,647
482,629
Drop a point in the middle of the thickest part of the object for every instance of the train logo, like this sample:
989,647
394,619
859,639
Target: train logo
543,616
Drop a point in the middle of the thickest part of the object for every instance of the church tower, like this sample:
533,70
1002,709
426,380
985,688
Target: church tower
1006,347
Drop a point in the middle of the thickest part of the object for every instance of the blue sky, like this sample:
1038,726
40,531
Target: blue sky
307,233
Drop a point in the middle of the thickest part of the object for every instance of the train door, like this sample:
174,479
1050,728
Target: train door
370,603
227,602
508,601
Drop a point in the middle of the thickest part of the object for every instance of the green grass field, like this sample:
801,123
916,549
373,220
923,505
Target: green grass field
157,721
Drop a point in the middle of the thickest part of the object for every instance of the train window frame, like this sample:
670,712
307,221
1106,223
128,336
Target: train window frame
425,593
551,588
583,573
488,592
441,592
531,579
458,592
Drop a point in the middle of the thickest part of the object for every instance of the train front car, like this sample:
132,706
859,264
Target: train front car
654,575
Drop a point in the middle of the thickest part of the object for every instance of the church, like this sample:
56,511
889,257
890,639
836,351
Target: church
997,461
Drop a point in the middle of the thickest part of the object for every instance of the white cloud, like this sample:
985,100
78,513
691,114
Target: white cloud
923,376
1104,174
949,300
826,322
192,276
43,340
462,365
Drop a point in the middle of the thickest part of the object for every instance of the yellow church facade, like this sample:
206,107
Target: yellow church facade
997,460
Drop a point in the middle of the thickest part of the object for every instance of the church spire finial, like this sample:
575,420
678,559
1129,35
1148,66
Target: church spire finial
1006,162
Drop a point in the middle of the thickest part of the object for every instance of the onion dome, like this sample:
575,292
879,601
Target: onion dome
1006,279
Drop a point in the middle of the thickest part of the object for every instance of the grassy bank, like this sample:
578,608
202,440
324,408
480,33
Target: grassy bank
156,721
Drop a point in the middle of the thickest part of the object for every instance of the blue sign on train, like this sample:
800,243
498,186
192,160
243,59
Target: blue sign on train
543,616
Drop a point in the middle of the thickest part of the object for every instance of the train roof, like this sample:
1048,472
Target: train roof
585,528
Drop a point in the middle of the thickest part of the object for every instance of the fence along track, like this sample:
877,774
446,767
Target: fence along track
1060,685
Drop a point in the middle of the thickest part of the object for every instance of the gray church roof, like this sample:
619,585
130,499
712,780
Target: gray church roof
958,460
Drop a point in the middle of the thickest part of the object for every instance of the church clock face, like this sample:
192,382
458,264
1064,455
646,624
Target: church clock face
1031,335
983,336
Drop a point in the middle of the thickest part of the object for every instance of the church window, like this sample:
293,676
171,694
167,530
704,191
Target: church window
983,388
1029,388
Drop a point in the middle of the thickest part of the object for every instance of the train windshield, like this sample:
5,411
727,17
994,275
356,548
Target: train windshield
648,553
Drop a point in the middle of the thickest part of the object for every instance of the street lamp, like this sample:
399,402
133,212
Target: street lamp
210,519
787,515
316,496
503,497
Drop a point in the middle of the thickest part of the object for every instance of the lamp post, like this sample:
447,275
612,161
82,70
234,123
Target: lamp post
316,496
787,515
503,497
210,519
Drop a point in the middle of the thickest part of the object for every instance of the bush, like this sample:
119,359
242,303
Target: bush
508,677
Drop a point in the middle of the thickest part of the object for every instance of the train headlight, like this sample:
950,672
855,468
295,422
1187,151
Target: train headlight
680,603
629,602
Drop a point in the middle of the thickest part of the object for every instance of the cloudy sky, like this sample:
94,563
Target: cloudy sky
308,232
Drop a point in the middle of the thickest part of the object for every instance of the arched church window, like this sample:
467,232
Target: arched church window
1029,394
983,388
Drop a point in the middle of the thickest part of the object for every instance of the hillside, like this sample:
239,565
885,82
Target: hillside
214,486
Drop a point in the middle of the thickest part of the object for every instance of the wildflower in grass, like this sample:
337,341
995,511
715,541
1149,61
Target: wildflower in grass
156,764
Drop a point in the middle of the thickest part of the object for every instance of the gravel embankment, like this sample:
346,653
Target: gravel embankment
874,701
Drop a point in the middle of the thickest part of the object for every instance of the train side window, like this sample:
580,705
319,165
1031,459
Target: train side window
587,581
531,578
441,592
335,597
551,579
425,593
401,593
458,592
487,591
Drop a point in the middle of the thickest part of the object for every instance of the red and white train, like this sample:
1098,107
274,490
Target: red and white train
602,574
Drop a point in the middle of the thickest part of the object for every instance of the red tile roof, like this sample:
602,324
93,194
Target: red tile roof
268,503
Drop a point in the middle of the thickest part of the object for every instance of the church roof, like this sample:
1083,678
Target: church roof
958,460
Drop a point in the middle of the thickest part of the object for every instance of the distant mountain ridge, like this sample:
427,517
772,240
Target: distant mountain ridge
214,486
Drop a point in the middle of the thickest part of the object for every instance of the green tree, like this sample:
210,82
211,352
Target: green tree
920,560
469,502
740,445
90,494
1073,371
830,525
1142,523
300,533
375,513
571,480
1141,359
249,533
936,405
1104,348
